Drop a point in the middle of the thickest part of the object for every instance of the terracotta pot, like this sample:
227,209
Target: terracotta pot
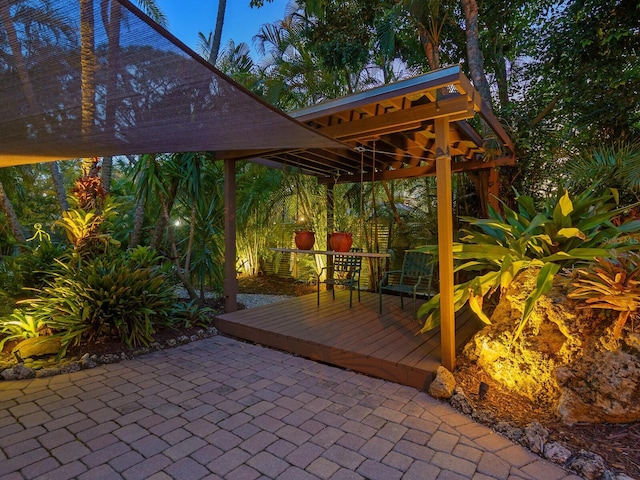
305,240
340,241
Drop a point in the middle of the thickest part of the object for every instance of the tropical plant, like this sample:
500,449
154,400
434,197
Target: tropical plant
190,314
611,284
35,265
86,230
120,295
616,165
20,325
562,233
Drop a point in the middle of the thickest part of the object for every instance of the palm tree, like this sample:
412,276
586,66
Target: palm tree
20,65
217,36
111,15
88,67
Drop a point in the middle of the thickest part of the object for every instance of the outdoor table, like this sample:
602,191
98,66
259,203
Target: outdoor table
332,253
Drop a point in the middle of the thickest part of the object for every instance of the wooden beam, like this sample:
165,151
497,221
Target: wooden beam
445,244
402,119
230,280
424,171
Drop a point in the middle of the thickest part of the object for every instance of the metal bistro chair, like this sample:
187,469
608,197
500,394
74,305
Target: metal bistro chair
346,272
415,276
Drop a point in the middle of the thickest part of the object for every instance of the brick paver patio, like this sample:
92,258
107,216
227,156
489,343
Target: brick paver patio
222,409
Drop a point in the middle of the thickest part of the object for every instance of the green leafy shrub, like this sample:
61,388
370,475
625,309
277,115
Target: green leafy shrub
20,325
36,266
123,296
190,314
562,233
611,284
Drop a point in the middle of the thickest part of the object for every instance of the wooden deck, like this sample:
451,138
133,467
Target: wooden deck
359,339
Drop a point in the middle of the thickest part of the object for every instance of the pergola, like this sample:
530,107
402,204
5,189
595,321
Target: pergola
149,93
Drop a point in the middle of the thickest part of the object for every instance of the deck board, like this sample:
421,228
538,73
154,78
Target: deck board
383,345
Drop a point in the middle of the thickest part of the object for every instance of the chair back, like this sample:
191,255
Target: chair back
416,264
347,264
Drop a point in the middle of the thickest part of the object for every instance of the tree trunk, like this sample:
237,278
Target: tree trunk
58,184
12,218
106,172
217,36
501,78
180,272
112,21
138,223
87,66
430,49
163,221
476,66
474,55
27,87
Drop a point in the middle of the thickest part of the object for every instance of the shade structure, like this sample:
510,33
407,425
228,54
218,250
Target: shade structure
392,131
97,78
87,78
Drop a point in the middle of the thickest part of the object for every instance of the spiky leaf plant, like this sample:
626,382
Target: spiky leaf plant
611,284
20,326
125,296
565,230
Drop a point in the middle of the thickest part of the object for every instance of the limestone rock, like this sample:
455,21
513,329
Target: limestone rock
443,385
566,356
535,437
460,402
18,372
588,464
37,347
557,453
610,394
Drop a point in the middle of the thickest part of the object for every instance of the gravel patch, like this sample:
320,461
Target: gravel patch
249,300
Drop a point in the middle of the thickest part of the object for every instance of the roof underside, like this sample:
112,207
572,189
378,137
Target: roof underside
391,131
146,92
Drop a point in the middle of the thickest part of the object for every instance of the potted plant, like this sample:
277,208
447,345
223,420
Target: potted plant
304,234
340,241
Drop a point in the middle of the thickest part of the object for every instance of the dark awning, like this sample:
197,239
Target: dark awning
150,93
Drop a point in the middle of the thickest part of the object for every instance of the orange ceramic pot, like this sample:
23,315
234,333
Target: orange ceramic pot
305,240
340,241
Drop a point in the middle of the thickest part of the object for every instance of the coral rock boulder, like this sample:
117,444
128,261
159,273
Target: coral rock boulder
566,357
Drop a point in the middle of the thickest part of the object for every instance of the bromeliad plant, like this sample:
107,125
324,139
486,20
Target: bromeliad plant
124,296
611,284
565,231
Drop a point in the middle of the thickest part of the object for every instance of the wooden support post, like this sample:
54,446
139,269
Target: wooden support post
331,226
230,280
445,244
